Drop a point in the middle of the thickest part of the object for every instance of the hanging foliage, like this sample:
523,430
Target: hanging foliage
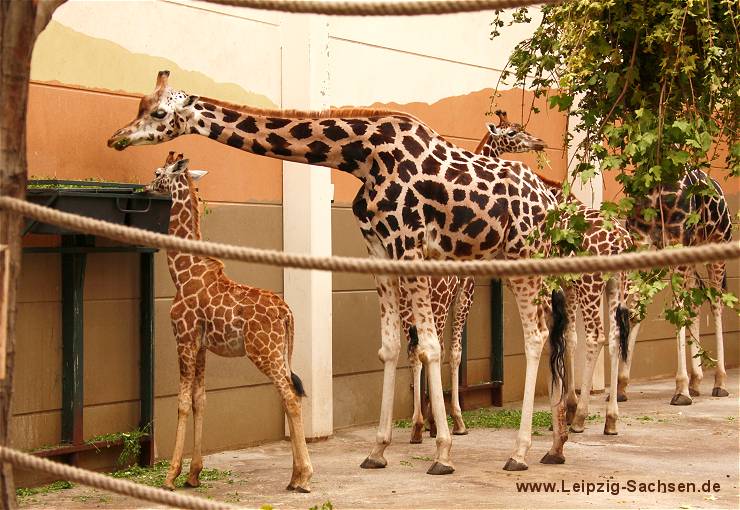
654,89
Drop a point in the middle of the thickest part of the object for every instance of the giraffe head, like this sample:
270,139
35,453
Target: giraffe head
174,175
511,137
162,116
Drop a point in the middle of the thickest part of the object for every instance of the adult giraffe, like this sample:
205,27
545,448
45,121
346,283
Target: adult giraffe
422,197
674,204
586,293
457,290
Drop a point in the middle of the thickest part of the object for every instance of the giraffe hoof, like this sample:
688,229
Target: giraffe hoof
720,392
370,463
513,465
168,486
679,399
550,458
192,483
693,392
297,488
576,429
463,432
621,397
416,433
440,469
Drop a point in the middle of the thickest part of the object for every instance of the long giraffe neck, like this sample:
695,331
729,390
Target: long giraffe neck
335,139
185,223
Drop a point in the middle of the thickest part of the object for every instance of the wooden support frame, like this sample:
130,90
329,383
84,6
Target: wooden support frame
4,280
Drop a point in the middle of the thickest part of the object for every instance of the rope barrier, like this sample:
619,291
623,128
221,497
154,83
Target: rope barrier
379,8
492,268
92,479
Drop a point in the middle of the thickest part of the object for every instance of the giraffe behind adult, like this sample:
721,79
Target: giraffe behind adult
422,197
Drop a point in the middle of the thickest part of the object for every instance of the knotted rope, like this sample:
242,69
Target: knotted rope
91,479
490,268
379,8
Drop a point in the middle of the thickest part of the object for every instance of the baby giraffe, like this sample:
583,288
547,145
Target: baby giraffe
212,312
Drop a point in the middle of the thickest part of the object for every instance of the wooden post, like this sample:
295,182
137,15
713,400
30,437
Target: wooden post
4,273
20,23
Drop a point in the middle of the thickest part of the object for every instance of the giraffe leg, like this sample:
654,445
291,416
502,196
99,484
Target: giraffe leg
463,302
612,411
590,301
417,420
625,365
681,397
697,374
430,353
388,354
302,468
571,338
525,290
199,407
717,277
186,353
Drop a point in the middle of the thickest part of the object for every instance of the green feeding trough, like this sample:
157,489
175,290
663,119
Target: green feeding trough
124,204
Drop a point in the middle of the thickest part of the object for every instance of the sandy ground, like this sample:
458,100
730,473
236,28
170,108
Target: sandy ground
657,442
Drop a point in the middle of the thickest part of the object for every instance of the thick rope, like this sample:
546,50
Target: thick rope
91,479
380,8
493,268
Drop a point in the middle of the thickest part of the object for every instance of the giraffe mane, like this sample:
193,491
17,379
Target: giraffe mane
211,262
482,143
309,114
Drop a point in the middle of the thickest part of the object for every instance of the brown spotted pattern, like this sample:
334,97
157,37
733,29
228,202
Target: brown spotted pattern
211,312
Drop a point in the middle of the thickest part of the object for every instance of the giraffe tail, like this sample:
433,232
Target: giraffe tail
289,335
623,324
557,340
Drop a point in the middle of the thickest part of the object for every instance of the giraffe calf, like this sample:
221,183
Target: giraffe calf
211,312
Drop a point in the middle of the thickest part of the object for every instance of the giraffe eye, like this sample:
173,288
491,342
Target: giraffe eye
159,114
511,133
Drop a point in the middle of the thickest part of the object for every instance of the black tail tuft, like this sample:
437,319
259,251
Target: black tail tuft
297,385
413,339
557,340
724,281
623,323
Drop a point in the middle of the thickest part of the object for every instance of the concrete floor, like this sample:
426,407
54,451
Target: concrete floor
656,441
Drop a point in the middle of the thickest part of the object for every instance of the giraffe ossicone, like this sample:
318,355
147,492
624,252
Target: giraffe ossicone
211,312
422,197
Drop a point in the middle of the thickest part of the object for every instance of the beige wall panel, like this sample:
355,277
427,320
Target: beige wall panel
38,358
357,398
85,37
513,332
30,431
252,415
479,323
40,278
163,286
56,150
514,369
347,241
110,418
356,333
255,226
112,276
467,38
111,361
655,358
479,371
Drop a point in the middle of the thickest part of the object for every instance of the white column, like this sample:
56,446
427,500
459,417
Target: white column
307,194
590,194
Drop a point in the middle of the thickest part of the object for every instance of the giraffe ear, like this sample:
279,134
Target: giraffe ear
492,128
195,175
180,165
190,100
